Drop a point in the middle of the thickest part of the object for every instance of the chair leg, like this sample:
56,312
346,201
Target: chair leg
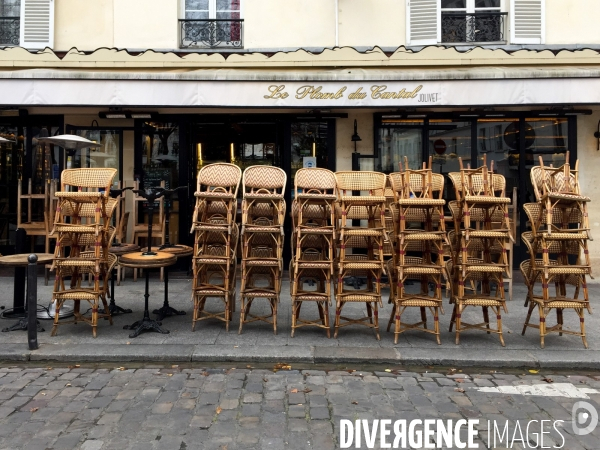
531,306
326,314
559,320
436,324
499,319
459,310
391,318
376,316
542,325
580,313
486,318
338,312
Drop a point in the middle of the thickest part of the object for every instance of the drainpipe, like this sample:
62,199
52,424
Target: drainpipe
337,24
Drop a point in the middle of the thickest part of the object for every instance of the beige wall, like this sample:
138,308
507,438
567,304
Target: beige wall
143,24
289,23
345,130
372,23
572,21
589,158
146,24
86,25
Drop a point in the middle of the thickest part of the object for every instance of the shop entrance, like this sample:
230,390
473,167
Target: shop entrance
176,147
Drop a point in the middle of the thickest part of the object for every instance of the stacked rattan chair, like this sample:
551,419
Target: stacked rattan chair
82,222
558,248
420,244
313,244
361,248
481,198
215,241
263,214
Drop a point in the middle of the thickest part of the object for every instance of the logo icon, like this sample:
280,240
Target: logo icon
584,418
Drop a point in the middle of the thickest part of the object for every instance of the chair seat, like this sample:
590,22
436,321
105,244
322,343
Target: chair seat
312,297
313,264
365,265
421,236
81,195
560,236
325,197
475,300
78,294
362,231
421,270
261,229
486,199
366,200
416,202
265,196
346,298
418,302
262,262
566,196
560,303
217,195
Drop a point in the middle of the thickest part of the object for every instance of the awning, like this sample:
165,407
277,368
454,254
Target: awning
304,89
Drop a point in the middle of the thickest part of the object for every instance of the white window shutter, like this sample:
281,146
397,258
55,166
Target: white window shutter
422,22
37,24
527,21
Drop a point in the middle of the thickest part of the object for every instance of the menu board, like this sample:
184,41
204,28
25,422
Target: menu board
153,176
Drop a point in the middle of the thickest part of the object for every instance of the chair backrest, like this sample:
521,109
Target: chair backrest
269,178
219,175
315,181
556,180
371,183
559,217
99,178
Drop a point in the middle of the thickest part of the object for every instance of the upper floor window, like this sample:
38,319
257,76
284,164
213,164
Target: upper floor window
28,23
212,23
10,20
475,21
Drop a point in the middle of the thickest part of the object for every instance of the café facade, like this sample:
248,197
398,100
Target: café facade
161,116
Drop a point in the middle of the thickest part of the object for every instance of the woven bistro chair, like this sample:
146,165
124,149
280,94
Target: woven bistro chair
479,298
558,303
77,269
214,271
558,188
313,210
310,268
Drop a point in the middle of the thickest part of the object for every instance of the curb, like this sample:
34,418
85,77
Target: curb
460,357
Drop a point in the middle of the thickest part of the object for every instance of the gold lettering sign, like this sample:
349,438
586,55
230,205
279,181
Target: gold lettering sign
378,92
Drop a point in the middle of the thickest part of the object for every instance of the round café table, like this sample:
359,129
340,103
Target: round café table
179,251
138,260
20,261
118,250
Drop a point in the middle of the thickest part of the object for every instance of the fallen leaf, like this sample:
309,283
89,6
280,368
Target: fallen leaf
350,370
294,391
451,372
307,390
388,370
282,366
219,410
33,409
205,374
43,393
128,343
235,346
48,368
533,371
459,380
224,447
68,384
355,402
548,380
265,380
174,366
461,390
169,374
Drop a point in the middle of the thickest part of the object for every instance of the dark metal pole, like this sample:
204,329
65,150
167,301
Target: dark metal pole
32,302
19,287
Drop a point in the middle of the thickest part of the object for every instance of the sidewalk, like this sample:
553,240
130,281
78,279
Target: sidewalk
355,344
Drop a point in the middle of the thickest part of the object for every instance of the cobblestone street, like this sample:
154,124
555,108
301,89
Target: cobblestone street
176,407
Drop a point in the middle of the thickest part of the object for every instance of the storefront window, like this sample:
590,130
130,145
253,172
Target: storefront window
107,155
396,142
449,141
160,162
309,147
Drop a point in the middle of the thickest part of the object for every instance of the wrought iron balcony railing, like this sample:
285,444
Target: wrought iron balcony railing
479,27
10,30
212,33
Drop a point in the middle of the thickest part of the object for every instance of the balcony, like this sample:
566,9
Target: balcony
9,30
211,33
458,27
